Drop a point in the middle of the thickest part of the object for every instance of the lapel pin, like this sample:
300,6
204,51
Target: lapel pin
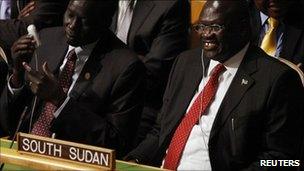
244,82
87,76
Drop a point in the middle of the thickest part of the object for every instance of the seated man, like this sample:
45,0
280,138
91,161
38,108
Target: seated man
228,105
278,28
88,84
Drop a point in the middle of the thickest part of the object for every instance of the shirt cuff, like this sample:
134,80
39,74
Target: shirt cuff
58,111
13,91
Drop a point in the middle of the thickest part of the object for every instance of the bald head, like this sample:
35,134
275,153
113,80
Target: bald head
235,10
233,19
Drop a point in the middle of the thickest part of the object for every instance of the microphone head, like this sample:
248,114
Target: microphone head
31,29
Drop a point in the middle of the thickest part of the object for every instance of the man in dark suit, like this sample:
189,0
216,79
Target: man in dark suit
95,99
157,31
227,106
289,31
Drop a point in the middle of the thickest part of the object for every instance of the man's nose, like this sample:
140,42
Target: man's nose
207,32
74,23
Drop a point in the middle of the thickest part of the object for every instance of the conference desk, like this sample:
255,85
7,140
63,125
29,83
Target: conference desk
16,161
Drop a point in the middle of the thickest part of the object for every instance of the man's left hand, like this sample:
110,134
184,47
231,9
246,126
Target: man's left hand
45,85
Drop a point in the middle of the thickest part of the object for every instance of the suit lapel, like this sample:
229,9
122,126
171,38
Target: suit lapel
239,86
92,66
142,9
290,40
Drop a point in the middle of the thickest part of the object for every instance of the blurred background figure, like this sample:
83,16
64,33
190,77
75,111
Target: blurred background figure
278,28
16,15
157,31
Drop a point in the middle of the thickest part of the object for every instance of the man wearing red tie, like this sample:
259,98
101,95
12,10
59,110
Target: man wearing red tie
227,106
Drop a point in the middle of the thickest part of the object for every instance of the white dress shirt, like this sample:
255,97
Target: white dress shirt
196,155
125,15
83,54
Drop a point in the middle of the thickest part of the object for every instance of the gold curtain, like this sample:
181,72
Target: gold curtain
196,7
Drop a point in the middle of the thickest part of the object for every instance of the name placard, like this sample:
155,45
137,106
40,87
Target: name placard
63,150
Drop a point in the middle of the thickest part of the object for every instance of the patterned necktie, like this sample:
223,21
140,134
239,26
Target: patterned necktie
201,103
43,124
269,41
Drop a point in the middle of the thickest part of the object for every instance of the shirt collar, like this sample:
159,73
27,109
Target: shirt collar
126,3
232,64
82,52
264,18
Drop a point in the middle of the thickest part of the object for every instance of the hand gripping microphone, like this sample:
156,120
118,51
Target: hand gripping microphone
31,29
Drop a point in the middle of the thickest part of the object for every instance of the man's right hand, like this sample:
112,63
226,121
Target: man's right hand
22,51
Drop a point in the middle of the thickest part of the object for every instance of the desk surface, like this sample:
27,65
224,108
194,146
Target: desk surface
120,165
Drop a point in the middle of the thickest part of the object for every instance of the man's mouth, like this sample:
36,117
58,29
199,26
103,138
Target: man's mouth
274,7
70,34
209,45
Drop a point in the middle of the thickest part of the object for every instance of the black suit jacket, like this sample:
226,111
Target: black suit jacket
158,33
293,39
267,113
104,109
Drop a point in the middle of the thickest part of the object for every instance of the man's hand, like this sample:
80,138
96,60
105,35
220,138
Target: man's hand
27,10
45,85
22,51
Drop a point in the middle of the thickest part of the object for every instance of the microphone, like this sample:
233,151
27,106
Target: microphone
16,131
31,29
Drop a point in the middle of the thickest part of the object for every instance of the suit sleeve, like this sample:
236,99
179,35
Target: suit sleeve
284,126
149,151
114,129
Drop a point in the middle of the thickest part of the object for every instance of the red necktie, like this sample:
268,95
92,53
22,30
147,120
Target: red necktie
201,103
43,124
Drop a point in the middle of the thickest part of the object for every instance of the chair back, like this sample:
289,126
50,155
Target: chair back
295,67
